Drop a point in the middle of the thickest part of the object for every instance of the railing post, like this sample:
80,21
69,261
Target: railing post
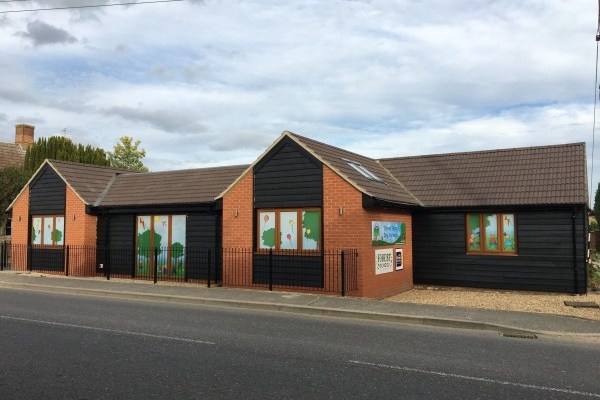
67,261
2,253
155,265
208,269
185,270
343,275
29,258
107,262
215,263
271,270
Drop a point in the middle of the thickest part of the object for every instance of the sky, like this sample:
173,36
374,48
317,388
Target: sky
208,83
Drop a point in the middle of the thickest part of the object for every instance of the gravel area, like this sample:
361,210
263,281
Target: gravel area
548,303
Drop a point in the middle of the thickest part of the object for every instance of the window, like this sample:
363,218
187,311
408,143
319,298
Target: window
491,233
167,234
8,230
48,230
364,171
289,229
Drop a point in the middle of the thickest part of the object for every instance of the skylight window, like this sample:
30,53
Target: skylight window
364,171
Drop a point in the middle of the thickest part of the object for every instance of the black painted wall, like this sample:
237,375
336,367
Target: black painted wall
544,260
47,193
288,177
203,232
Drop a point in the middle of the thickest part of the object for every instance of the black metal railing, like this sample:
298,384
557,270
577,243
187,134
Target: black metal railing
329,271
334,271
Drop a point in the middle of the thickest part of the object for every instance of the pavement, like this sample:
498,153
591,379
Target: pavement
505,322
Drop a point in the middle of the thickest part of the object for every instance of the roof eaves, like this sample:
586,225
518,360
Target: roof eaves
298,140
251,166
67,183
27,184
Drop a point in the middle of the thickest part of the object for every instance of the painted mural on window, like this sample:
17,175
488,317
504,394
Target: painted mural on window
385,233
508,229
36,230
165,236
288,230
491,232
48,230
266,229
311,229
474,232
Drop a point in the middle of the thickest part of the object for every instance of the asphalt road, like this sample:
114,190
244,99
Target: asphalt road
78,347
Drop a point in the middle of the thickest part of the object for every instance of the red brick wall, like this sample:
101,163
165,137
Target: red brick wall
237,232
20,231
352,229
80,236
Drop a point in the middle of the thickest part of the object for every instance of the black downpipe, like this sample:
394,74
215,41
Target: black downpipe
574,238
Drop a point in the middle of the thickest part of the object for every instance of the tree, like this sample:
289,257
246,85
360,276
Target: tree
128,155
12,180
597,202
61,148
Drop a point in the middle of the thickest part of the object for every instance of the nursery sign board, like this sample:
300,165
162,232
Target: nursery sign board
386,233
384,261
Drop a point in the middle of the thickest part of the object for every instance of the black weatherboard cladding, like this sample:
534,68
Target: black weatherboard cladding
202,231
288,176
545,253
47,193
121,239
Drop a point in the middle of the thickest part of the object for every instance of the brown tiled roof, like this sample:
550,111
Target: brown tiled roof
89,181
170,187
391,190
546,175
11,154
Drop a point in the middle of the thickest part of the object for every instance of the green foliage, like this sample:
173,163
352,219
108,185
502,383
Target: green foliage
61,148
57,236
128,155
145,246
593,227
33,235
176,250
311,222
268,237
597,202
12,180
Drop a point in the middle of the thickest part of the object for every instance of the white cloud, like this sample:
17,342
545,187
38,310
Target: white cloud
212,82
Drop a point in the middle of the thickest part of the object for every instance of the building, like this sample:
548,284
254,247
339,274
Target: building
511,219
13,154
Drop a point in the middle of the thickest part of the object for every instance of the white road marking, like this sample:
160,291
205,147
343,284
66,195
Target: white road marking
475,378
93,328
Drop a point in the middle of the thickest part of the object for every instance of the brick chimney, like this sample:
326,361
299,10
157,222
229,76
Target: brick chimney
24,135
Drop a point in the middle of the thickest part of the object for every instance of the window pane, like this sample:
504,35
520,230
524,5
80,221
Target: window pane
144,255
508,227
311,230
161,230
491,232
59,229
288,230
178,246
48,228
266,230
473,232
36,230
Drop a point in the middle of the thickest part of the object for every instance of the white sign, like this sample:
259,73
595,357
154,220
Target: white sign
399,260
384,261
